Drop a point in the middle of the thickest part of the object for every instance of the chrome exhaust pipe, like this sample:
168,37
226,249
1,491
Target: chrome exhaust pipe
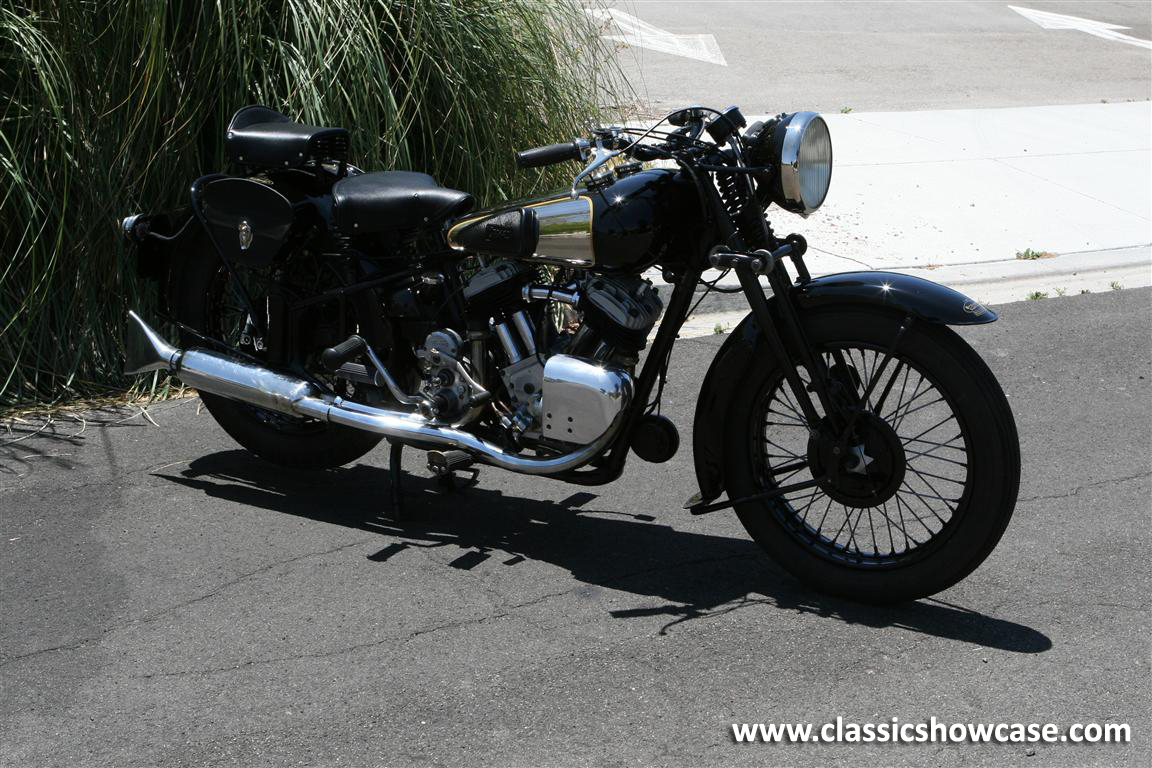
229,377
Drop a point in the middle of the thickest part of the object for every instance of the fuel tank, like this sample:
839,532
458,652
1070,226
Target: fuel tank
622,223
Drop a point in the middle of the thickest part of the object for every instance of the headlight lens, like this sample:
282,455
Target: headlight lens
802,150
812,169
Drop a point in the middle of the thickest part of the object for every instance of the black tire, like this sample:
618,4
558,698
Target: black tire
289,442
840,564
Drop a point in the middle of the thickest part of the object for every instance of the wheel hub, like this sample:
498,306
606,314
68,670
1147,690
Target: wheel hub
864,471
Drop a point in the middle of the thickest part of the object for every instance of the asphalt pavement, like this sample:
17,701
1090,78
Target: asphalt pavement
168,600
783,55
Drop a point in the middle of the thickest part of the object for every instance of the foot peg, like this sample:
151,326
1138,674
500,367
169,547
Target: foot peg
445,464
334,357
442,463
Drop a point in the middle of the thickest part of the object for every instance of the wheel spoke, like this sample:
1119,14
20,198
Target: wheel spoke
947,502
921,498
893,388
788,452
928,455
789,421
900,526
922,473
872,527
852,530
786,400
879,408
900,397
898,417
945,444
900,503
780,456
780,479
843,525
876,366
811,499
934,426
820,527
935,496
888,524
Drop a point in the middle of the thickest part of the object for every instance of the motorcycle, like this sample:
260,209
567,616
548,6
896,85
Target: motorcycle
322,309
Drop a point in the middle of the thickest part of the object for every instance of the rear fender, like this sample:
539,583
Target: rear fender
156,241
913,296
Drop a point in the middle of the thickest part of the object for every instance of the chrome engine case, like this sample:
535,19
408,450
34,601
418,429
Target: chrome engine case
581,399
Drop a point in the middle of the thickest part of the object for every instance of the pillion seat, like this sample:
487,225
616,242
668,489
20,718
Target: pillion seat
259,137
394,200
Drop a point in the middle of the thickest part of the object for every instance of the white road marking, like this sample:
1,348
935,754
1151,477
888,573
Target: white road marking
1101,29
643,35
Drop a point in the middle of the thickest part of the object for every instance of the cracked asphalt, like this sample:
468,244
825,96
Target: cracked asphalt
168,600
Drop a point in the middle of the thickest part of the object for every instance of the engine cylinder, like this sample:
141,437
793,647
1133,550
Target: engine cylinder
619,313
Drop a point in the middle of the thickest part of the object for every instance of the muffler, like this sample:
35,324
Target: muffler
229,377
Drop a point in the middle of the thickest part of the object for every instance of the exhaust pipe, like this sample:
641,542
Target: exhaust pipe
219,374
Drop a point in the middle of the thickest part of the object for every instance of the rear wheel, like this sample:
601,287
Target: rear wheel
920,493
209,302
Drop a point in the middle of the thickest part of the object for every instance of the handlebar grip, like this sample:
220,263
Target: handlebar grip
549,155
644,153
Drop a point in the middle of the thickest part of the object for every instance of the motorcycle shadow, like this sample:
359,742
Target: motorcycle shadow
698,575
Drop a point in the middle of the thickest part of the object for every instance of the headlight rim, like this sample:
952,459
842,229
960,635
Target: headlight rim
791,196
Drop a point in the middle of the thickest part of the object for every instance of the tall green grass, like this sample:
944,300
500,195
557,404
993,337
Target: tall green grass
110,108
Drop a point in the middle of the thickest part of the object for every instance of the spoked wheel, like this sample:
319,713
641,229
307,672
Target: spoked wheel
210,302
913,496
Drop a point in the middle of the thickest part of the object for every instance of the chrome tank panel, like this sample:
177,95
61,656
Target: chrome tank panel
620,226
562,228
565,232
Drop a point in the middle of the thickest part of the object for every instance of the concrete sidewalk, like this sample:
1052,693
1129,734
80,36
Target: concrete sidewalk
910,189
954,195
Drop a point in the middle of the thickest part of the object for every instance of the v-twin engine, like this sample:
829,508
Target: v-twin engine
568,352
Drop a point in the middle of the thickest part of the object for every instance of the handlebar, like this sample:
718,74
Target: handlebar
551,154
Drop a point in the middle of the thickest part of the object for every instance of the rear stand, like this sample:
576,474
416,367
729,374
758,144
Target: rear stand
396,471
443,464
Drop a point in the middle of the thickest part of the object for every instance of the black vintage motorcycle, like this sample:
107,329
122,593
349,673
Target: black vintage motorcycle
862,443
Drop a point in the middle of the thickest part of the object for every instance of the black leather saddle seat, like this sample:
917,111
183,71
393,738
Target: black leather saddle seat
394,200
259,137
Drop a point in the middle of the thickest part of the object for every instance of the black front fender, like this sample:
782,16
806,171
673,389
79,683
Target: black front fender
914,296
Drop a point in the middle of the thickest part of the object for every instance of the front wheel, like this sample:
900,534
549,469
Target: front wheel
920,492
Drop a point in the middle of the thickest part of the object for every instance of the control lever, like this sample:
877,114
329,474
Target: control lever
334,357
603,155
760,262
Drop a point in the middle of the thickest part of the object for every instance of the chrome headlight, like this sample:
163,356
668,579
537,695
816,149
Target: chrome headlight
799,147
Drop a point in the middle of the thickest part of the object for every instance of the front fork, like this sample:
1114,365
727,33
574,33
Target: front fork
784,331
839,397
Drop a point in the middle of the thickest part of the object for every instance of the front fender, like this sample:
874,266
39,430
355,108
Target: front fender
914,296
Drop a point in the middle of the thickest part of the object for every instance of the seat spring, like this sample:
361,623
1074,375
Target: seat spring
330,148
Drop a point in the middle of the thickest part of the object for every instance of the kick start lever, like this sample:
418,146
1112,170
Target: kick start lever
335,357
